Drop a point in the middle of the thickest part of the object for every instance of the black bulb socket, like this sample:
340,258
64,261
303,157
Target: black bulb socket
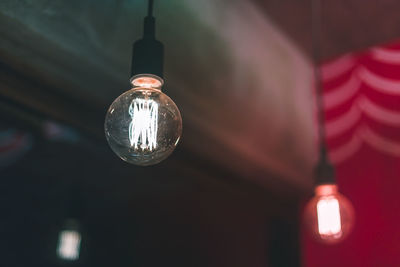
148,53
324,173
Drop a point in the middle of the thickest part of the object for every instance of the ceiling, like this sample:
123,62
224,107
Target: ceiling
346,25
238,70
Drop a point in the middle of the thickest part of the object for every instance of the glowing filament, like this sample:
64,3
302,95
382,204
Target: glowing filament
143,127
69,244
329,217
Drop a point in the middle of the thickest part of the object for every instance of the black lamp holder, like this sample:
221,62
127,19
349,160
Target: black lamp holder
148,53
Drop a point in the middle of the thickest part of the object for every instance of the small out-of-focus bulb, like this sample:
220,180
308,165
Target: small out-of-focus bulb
69,242
143,125
329,215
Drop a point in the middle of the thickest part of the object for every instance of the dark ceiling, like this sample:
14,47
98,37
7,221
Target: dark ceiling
346,25
69,60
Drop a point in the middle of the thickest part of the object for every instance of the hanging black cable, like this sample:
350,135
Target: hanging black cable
150,8
324,171
148,53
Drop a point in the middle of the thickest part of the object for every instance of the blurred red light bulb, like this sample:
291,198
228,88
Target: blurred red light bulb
329,215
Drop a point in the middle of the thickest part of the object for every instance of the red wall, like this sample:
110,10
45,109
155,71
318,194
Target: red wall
365,149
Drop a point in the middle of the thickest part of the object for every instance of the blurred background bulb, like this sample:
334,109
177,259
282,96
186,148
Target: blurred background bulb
69,242
329,215
143,125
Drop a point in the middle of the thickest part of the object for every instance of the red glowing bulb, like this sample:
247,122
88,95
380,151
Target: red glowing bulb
329,215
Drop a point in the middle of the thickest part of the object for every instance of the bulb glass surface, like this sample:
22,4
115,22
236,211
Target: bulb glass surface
143,125
329,215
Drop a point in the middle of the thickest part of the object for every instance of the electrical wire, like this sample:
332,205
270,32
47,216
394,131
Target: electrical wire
316,30
150,8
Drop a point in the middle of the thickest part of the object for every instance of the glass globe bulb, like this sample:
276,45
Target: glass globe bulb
143,125
329,215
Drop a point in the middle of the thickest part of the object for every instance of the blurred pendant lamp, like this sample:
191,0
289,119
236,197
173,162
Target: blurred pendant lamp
69,241
143,125
328,215
70,235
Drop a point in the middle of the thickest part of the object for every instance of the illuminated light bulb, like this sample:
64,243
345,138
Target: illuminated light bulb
69,242
143,125
329,215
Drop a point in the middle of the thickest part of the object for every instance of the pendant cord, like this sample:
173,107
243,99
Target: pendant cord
316,51
150,8
324,171
149,22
